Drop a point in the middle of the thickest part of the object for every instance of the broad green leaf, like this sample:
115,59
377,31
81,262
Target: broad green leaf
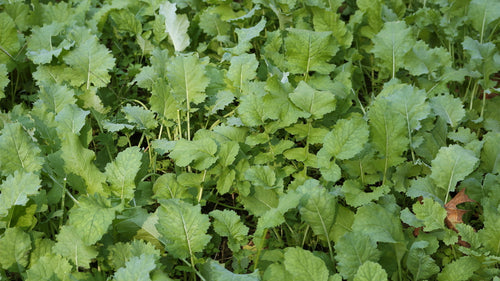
370,271
260,200
201,153
275,216
162,101
41,46
8,41
141,117
183,226
378,223
352,250
449,108
489,234
18,150
481,13
411,103
490,155
227,223
212,270
126,21
91,218
318,209
50,267
245,35
424,60
316,103
484,57
356,196
346,139
419,263
176,26
451,165
120,253
390,46
122,171
212,24
303,265
186,74
330,20
389,132
261,176
241,71
55,97
167,187
71,119
89,64
16,188
461,269
15,247
307,50
137,268
79,161
431,213
71,246
4,80
251,111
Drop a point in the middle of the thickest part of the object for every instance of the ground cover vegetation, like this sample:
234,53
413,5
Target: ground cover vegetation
249,140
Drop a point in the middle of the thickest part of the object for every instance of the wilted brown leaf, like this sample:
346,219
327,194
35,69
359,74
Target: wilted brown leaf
454,215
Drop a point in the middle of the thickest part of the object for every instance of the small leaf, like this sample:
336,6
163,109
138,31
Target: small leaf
122,171
212,270
370,271
143,118
227,223
137,268
431,213
186,74
15,190
316,103
15,247
449,108
346,139
71,119
71,246
202,152
461,269
303,265
419,263
353,250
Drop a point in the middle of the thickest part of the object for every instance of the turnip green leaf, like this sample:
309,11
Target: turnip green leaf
137,268
18,150
16,188
228,223
212,270
176,26
431,213
370,271
316,103
420,264
71,246
354,249
4,80
50,267
303,265
121,172
449,108
15,247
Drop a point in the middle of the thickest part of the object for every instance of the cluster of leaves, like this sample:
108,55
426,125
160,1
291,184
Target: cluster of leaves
249,140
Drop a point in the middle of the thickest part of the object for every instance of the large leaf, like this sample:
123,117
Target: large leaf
316,103
449,108
176,26
9,42
482,13
421,264
71,246
228,223
352,250
50,267
212,270
370,271
241,71
18,151
137,268
15,246
303,265
202,153
183,227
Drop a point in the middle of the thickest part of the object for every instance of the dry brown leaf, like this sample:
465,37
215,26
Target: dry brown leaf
453,214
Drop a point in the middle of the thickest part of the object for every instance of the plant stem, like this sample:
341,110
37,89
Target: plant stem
259,249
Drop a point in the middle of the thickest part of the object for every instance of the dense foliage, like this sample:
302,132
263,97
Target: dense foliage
249,140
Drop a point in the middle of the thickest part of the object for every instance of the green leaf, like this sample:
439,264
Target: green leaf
167,187
352,250
356,196
126,21
162,101
424,60
121,172
227,223
370,271
18,150
275,216
449,108
251,111
241,71
91,218
261,176
176,26
346,139
461,269
71,246
303,265
316,103
451,165
9,41
390,46
431,213
71,119
120,253
16,188
50,267
484,57
420,264
15,247
137,268
79,161
183,227
89,64
318,209
55,97
212,270
307,50
4,80
41,47
330,20
389,132
186,74
482,13
260,200
245,35
141,117
202,153
378,223
489,234
411,103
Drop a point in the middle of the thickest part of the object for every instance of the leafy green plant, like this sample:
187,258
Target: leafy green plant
249,140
